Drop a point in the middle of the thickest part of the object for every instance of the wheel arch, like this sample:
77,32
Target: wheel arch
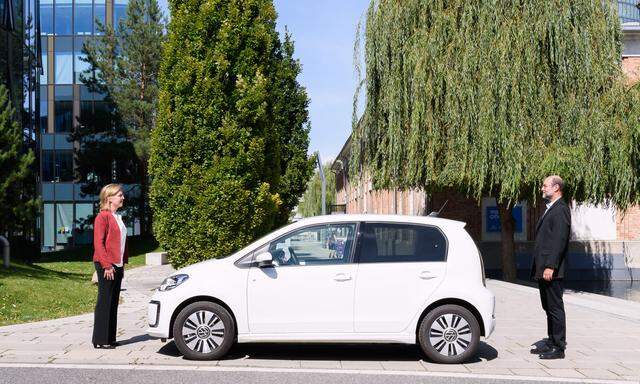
451,300
195,299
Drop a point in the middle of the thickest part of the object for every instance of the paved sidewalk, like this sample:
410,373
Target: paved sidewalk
603,340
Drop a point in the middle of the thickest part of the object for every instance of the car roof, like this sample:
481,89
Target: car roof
429,220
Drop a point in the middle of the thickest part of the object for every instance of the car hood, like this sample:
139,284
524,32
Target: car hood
195,269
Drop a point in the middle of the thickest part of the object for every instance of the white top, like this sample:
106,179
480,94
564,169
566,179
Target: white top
123,237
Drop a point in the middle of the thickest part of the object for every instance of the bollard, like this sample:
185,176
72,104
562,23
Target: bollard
5,250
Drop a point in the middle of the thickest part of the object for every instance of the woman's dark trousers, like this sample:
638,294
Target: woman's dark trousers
105,321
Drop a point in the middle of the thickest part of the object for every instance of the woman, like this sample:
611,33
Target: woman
109,256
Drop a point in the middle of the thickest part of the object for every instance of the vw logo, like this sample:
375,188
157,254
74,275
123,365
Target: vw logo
203,332
450,335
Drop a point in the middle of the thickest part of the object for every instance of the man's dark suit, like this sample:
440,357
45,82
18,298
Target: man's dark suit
550,251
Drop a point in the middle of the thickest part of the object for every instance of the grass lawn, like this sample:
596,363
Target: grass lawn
58,284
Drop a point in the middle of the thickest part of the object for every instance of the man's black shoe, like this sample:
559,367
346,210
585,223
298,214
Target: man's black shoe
554,353
544,348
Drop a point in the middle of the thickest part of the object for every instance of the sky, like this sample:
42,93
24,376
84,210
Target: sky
324,32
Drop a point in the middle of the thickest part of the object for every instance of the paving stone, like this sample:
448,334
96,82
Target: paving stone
431,367
565,373
491,371
322,364
361,365
537,372
402,366
598,373
264,363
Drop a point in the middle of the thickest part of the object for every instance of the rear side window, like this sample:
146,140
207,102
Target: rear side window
389,243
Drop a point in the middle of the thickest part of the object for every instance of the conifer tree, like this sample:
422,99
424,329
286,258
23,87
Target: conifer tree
229,156
17,206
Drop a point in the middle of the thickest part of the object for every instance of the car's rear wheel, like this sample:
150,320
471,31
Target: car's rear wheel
449,334
204,331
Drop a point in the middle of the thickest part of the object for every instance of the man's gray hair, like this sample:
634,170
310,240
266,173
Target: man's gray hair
557,180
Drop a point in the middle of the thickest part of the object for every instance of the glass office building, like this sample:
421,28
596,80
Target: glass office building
63,100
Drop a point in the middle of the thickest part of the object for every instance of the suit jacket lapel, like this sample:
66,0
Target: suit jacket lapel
541,219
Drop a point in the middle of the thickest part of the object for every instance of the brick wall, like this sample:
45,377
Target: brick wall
628,224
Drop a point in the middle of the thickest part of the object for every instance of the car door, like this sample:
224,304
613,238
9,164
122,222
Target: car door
399,266
310,288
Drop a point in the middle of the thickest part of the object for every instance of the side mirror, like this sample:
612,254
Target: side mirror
264,260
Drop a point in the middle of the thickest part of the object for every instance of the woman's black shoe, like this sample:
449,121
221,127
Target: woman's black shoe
115,344
104,346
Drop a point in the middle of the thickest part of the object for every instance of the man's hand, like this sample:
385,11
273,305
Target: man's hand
108,274
547,274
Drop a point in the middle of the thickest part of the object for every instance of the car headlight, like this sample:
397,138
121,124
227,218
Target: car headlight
172,281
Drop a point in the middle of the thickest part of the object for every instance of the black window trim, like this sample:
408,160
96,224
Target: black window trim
363,226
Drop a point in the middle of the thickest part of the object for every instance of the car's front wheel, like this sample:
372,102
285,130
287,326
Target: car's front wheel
204,331
449,334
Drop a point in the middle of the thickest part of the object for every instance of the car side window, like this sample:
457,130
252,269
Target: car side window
389,243
315,245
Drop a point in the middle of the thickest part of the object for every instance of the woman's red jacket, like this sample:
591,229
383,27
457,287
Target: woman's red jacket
106,241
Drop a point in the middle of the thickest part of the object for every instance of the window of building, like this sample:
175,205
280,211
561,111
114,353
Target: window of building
64,223
63,109
48,173
46,17
63,17
79,65
86,115
102,116
99,12
64,60
44,109
388,243
119,11
44,44
83,223
64,166
48,227
82,18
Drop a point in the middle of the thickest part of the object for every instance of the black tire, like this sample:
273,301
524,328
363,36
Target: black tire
204,331
449,334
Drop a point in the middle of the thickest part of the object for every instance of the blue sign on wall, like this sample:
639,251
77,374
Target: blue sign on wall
493,219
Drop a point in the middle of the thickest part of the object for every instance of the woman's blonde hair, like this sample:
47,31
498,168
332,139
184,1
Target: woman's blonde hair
106,192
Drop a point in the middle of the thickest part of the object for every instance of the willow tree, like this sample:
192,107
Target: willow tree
488,97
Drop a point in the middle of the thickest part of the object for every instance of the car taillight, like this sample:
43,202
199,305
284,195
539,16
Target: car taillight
484,280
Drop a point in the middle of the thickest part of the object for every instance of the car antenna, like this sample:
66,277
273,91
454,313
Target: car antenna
437,214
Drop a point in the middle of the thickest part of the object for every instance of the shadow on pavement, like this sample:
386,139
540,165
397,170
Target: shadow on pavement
352,352
135,339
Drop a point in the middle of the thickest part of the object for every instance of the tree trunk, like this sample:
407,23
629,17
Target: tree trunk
144,194
508,225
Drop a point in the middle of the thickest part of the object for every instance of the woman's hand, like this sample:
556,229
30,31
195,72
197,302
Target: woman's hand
108,273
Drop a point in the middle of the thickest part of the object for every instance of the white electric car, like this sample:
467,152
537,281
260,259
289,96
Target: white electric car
340,278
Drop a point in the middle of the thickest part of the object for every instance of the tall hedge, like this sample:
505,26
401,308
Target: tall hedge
229,154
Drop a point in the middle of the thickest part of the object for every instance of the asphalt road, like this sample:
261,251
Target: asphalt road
18,375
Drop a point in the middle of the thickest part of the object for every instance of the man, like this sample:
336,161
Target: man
549,262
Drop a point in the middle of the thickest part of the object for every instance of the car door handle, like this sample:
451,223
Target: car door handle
427,275
342,277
